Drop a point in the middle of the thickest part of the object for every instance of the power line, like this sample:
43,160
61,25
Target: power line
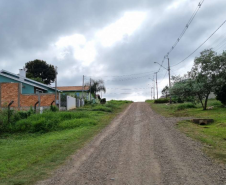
183,32
222,44
200,45
186,27
150,72
141,88
125,79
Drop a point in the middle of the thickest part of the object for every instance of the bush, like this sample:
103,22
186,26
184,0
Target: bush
54,108
26,121
179,100
88,102
161,101
186,106
103,101
221,95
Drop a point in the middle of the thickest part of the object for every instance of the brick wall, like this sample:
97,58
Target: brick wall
47,99
28,100
11,92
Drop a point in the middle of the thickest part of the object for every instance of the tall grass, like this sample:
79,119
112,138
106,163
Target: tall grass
186,106
55,120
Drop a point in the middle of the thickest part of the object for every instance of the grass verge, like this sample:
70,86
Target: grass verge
213,136
29,157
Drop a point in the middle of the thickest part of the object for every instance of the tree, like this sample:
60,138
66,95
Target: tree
204,75
221,94
97,86
207,75
165,91
182,89
41,71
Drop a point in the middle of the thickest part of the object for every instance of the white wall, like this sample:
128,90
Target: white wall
71,103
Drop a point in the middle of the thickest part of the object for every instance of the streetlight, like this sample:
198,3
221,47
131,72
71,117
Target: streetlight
168,72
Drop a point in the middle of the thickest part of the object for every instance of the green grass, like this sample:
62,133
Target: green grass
29,157
213,136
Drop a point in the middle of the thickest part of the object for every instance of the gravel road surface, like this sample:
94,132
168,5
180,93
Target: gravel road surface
140,147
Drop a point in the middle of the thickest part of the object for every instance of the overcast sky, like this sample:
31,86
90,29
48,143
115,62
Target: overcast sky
114,40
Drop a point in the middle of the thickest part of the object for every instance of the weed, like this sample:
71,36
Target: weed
186,106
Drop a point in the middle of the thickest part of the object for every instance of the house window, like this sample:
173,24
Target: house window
37,91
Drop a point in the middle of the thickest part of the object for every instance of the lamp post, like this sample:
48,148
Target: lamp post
168,73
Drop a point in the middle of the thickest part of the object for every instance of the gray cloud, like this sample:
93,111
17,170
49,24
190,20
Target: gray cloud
29,30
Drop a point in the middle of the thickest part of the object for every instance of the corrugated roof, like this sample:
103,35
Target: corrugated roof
73,88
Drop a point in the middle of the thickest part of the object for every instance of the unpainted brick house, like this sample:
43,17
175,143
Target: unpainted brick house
24,91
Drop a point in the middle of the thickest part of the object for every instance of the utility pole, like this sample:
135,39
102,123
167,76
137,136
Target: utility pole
90,90
82,85
169,78
151,92
154,88
157,84
56,86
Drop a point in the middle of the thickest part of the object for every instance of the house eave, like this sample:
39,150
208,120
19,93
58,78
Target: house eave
19,80
27,79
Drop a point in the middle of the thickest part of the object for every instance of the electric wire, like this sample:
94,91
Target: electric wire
136,74
186,27
220,43
182,33
200,45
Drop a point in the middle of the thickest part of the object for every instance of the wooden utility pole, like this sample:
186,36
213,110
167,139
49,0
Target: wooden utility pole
151,92
169,79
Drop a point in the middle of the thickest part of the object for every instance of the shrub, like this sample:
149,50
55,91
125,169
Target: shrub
179,100
161,101
48,121
54,108
103,101
221,95
186,106
23,114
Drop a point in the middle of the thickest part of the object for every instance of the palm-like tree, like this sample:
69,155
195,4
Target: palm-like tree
97,86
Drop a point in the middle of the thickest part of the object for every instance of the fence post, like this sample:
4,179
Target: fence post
52,102
59,101
9,110
35,106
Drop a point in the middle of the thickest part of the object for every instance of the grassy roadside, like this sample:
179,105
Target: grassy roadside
29,157
213,136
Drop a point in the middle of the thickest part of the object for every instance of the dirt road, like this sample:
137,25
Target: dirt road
140,147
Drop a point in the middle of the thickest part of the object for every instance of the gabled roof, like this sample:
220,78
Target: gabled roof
25,80
73,88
